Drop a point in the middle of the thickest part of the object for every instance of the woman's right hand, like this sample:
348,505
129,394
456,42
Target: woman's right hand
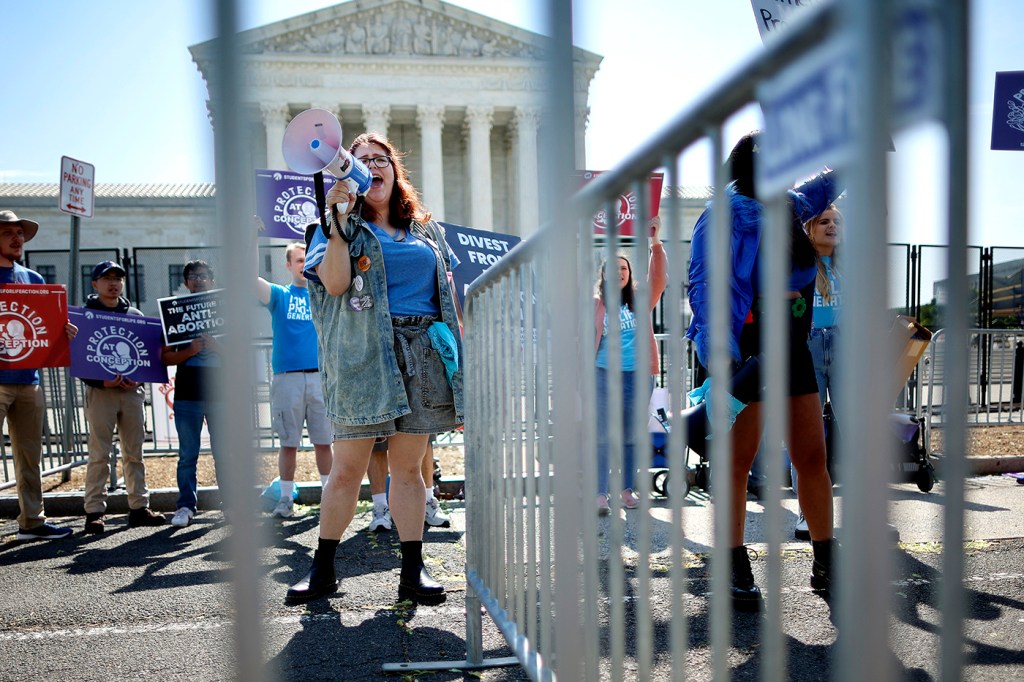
340,200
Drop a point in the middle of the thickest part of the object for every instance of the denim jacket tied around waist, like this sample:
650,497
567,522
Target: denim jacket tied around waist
358,368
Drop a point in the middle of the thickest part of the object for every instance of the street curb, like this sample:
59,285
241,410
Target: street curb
991,466
165,499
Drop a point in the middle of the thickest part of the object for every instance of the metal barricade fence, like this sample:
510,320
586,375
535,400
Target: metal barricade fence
574,599
995,377
64,450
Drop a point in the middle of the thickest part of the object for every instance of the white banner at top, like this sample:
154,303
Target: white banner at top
772,15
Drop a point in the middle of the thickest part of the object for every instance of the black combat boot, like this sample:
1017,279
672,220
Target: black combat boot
745,594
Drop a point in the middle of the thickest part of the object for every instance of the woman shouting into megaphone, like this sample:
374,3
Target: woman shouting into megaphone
390,354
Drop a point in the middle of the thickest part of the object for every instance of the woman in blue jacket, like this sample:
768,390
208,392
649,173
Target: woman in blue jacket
806,435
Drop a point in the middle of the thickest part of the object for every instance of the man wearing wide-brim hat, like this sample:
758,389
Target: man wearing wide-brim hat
21,398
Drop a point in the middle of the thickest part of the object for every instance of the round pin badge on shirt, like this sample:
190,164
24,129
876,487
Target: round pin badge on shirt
363,264
358,282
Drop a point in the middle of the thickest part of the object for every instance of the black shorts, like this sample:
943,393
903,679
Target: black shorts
801,365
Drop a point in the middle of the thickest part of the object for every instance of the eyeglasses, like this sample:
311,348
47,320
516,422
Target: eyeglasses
377,161
199,278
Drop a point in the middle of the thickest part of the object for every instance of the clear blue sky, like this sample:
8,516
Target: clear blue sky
111,82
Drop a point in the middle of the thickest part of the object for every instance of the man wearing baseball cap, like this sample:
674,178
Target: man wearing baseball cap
21,398
116,402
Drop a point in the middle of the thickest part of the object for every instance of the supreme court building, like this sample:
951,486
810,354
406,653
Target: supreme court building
459,93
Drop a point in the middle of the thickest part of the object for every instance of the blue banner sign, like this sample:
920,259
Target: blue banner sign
1008,111
286,202
810,110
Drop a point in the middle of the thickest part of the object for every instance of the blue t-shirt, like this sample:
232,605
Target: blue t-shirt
826,313
295,345
19,275
409,266
627,323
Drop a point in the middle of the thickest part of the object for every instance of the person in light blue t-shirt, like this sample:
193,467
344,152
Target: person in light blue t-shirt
825,232
296,396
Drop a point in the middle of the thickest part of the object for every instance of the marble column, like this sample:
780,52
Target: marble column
581,135
478,123
376,118
430,120
527,198
275,120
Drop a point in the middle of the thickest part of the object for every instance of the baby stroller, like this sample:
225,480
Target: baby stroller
913,463
745,384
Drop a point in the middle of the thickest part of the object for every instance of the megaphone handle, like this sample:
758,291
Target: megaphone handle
321,201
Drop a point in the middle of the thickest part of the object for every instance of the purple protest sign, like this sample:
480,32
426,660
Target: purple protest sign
1008,111
286,202
108,344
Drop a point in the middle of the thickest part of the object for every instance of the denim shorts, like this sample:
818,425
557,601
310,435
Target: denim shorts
426,387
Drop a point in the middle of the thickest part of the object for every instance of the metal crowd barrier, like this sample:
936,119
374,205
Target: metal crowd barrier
574,603
63,450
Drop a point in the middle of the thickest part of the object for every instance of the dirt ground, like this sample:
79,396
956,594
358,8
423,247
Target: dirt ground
994,441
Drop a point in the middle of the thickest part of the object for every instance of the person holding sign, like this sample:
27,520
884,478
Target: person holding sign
119,402
193,383
806,434
295,395
21,398
390,354
629,323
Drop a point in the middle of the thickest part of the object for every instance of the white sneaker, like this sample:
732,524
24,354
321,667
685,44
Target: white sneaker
435,517
381,518
801,532
285,508
182,517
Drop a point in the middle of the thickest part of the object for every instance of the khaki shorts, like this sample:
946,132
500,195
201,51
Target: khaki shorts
296,397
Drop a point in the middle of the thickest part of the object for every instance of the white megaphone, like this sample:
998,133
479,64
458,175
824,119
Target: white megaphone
312,144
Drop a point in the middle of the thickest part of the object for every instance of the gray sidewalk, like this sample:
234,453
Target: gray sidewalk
155,603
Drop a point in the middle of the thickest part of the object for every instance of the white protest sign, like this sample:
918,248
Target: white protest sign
772,15
76,187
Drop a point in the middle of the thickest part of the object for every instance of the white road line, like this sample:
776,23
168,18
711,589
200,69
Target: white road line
346,618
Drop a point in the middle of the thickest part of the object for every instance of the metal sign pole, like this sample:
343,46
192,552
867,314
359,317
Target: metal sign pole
69,387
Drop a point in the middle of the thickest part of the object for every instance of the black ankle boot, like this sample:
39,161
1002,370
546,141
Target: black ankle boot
415,582
821,569
319,582
745,594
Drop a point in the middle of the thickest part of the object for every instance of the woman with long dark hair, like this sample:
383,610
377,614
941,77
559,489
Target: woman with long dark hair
806,435
629,320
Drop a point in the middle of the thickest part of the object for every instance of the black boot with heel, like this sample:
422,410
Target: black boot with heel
415,582
321,580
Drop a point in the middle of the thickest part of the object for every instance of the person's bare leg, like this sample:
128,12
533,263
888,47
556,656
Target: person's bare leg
405,457
377,471
286,463
337,507
338,504
807,452
746,435
324,459
427,467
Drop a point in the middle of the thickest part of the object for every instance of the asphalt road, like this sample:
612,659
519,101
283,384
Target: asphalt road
154,604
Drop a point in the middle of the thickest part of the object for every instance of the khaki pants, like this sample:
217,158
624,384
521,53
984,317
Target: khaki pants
106,408
22,406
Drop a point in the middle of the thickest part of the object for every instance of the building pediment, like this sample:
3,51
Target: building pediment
394,28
